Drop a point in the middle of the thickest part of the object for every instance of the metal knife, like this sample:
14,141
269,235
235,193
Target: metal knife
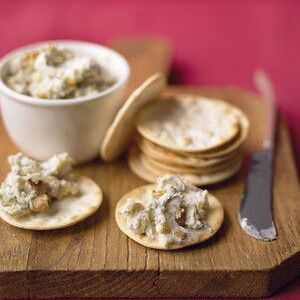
255,213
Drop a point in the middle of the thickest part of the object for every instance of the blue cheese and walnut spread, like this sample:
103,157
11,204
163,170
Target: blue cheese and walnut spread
31,185
173,214
55,72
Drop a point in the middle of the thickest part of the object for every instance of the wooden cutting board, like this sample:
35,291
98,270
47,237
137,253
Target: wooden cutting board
94,259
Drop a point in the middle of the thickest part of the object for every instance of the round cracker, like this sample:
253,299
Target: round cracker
189,123
179,169
122,128
219,152
160,154
62,213
214,218
150,174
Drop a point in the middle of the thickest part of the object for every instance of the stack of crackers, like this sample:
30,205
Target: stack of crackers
198,138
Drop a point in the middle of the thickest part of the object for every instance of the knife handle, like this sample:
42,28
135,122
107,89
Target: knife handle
264,85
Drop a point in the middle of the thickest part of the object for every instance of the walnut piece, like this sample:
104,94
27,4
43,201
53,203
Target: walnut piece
40,203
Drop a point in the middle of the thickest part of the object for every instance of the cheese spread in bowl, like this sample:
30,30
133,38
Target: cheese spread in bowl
61,96
56,72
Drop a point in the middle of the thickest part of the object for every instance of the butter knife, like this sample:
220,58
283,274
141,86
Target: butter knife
255,213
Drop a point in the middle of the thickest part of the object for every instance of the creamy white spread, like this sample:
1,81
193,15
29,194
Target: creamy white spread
172,214
31,185
188,122
55,72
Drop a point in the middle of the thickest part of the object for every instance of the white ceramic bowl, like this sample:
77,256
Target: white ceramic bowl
41,128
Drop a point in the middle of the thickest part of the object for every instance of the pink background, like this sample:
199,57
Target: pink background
216,42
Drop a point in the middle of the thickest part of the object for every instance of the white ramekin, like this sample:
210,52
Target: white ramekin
41,128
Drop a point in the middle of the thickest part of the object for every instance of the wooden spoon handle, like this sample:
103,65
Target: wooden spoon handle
146,56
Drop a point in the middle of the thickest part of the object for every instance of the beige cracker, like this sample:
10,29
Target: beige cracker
121,130
148,173
179,169
214,219
176,159
219,152
65,212
188,123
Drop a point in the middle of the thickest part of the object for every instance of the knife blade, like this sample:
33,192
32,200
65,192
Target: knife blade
255,213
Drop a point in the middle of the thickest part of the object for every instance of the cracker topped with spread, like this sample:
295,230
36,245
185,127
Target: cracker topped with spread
46,195
169,215
188,123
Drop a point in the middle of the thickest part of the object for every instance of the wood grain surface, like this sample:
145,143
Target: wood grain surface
95,259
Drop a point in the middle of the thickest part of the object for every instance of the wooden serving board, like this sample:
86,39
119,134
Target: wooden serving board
95,259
